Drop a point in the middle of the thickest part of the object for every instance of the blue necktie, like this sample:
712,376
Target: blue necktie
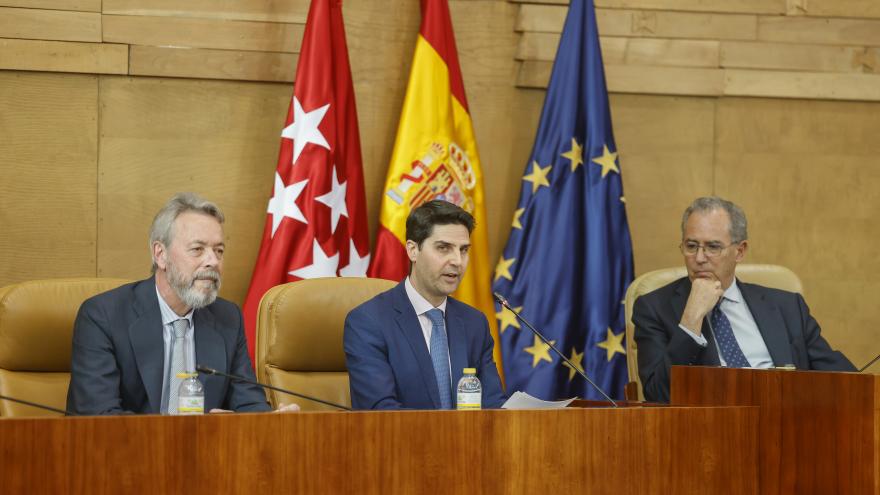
440,357
727,343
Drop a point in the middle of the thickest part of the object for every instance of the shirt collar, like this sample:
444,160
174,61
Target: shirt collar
168,314
419,303
733,294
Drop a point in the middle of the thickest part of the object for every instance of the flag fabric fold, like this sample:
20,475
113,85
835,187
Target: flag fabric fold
435,157
316,223
568,260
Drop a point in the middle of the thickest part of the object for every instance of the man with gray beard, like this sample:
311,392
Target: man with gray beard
130,343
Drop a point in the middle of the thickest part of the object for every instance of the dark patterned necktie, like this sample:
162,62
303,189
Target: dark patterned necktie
730,350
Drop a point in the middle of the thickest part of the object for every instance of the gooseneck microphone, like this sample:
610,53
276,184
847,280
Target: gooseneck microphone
501,300
863,368
212,371
38,406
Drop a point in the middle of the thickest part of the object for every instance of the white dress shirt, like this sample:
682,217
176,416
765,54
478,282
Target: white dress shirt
746,331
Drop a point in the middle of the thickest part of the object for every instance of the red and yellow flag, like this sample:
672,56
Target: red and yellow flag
435,157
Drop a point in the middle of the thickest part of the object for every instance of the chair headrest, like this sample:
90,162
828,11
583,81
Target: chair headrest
36,321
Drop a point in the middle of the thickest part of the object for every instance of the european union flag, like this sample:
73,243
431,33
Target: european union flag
568,260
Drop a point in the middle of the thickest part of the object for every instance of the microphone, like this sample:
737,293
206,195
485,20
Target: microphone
212,371
501,300
38,406
863,368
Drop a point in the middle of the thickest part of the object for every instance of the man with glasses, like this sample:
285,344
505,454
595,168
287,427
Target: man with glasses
711,319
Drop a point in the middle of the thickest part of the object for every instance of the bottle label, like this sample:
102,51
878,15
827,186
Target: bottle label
469,400
191,405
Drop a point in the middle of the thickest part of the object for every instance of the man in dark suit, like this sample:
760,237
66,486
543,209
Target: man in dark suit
709,318
130,343
407,347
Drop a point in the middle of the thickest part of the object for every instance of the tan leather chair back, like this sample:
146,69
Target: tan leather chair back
775,276
299,337
36,328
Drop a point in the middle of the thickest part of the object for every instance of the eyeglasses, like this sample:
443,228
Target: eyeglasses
710,250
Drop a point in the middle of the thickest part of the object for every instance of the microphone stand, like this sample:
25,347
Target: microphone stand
38,406
212,371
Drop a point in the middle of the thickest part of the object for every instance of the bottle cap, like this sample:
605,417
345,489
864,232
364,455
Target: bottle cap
472,371
185,375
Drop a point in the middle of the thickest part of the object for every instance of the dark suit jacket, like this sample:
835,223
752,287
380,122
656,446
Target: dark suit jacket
783,318
388,361
118,354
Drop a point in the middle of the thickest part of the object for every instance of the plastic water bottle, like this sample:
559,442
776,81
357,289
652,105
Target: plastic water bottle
470,391
190,395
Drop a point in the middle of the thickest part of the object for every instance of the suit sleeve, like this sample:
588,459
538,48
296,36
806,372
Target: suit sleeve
493,394
371,378
94,374
660,347
240,396
821,355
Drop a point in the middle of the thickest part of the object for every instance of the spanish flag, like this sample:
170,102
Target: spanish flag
435,157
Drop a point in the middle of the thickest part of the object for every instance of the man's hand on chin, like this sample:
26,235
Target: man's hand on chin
705,293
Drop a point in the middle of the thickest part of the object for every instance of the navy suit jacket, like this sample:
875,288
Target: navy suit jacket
389,366
792,335
118,354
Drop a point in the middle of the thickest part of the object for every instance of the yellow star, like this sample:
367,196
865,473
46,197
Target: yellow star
578,360
607,161
503,268
508,319
575,154
540,351
538,177
613,343
518,213
622,199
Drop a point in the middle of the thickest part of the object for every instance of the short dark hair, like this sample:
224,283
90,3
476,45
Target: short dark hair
421,221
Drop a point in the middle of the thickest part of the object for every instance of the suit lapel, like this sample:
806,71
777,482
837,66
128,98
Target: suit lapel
147,343
770,324
210,352
457,338
679,300
408,324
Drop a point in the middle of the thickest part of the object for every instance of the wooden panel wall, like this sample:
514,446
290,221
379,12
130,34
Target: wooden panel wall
110,107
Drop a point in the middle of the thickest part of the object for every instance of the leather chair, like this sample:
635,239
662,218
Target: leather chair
299,338
775,276
36,328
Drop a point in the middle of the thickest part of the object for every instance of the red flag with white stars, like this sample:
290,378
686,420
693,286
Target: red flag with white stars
316,222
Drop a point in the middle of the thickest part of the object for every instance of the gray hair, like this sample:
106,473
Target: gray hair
162,229
738,226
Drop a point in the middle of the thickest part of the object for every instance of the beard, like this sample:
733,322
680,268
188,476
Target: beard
185,287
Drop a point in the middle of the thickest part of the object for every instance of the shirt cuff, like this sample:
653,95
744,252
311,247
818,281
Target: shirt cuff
700,339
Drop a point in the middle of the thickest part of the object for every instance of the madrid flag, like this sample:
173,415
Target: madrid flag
316,224
435,157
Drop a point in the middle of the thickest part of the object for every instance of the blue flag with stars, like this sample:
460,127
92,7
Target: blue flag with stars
568,260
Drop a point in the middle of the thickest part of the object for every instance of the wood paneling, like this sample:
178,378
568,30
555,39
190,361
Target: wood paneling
785,56
817,431
80,5
202,33
633,51
212,64
835,8
289,11
63,56
662,171
48,162
819,30
802,85
628,450
36,24
806,174
159,137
